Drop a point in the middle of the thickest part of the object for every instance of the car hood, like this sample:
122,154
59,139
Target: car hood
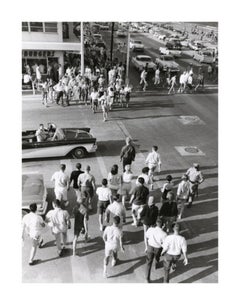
170,64
33,190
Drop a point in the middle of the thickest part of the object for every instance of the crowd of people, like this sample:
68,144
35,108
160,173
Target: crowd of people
118,193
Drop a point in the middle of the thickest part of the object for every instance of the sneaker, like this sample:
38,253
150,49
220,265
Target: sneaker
114,262
134,224
60,253
31,263
101,228
41,244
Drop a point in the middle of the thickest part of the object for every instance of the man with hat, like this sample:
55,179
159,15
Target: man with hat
195,178
155,237
173,246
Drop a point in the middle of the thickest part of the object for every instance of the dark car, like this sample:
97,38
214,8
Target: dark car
174,45
76,142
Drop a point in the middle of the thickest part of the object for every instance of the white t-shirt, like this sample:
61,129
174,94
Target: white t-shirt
113,235
127,177
147,180
32,222
61,179
155,237
153,159
58,219
183,189
104,193
117,209
174,244
94,96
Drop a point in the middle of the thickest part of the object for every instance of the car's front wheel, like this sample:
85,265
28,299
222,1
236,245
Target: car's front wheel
78,153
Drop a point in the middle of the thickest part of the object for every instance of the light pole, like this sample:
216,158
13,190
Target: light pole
111,50
82,50
128,56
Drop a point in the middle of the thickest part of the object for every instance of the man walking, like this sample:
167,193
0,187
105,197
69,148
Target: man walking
138,200
104,199
173,246
195,178
116,208
61,180
86,183
74,178
33,224
59,221
153,161
112,238
155,237
128,153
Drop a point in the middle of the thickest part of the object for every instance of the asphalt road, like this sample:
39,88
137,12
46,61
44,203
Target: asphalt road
150,120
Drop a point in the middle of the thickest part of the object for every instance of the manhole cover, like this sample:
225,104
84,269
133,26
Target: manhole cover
189,151
190,120
192,150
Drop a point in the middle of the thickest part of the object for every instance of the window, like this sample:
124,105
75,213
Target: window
51,27
36,26
24,26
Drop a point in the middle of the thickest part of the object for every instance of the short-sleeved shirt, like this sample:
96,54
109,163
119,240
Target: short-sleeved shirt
86,179
183,189
127,177
140,195
156,237
153,159
58,219
104,193
114,181
174,244
33,224
41,135
117,209
74,178
149,215
113,235
194,175
61,180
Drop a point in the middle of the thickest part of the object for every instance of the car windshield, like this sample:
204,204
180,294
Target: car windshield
144,58
137,41
207,53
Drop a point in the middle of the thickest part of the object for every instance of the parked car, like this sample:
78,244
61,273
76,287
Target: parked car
34,191
162,37
77,142
166,51
121,33
136,45
166,62
140,62
174,45
204,56
195,45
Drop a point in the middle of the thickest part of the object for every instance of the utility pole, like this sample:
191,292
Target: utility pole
128,56
82,50
111,50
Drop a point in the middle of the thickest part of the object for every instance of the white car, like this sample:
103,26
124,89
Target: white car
141,61
166,51
205,56
121,33
162,36
196,45
166,62
136,45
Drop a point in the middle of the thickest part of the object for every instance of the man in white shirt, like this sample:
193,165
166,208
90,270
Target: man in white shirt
59,221
33,224
153,161
61,180
195,178
112,238
41,134
183,193
147,178
104,199
154,239
116,209
173,246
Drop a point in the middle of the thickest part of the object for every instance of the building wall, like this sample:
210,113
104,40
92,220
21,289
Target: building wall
44,37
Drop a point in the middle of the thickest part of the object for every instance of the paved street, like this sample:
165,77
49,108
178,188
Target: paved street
151,119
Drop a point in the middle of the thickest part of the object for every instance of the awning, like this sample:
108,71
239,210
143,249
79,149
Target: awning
51,46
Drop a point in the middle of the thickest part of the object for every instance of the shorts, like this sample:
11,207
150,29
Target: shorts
78,226
89,191
78,195
102,205
61,194
136,209
125,189
110,250
35,241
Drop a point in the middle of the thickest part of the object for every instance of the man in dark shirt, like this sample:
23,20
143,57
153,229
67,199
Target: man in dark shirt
74,178
149,216
169,211
138,200
128,153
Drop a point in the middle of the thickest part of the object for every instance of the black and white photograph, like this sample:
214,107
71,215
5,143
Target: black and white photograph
120,152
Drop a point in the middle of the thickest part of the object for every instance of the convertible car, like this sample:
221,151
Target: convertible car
74,142
34,191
